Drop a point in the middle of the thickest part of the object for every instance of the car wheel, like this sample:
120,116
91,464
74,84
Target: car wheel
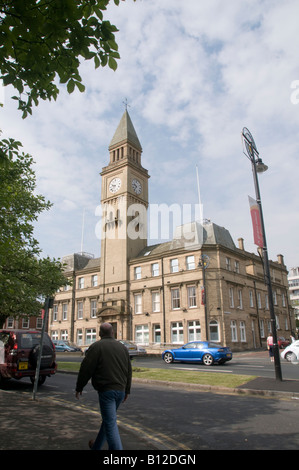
290,356
168,358
41,380
208,360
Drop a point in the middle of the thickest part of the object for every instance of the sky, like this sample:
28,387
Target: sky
194,74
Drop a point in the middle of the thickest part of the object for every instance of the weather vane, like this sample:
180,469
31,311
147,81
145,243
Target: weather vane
126,104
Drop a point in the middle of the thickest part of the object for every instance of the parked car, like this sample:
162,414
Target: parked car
63,348
282,342
291,352
134,349
61,345
198,351
19,352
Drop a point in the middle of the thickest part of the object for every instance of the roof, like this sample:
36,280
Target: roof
192,236
125,132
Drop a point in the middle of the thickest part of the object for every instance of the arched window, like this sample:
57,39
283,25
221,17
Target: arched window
214,330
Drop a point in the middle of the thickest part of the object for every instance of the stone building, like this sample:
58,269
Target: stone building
199,285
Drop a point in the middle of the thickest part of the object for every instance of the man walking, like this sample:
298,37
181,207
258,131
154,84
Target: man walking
107,363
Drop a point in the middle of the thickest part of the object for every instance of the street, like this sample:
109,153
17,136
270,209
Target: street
181,419
245,363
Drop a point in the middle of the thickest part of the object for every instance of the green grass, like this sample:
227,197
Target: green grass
169,375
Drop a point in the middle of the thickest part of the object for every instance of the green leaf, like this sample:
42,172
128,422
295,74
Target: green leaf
70,86
80,86
112,63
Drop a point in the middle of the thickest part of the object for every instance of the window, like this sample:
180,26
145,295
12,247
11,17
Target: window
267,301
251,302
94,280
55,312
157,334
80,310
262,328
174,265
191,291
277,322
138,303
233,329
190,262
25,322
142,334
283,300
155,269
242,331
39,323
90,336
228,264
156,301
237,267
240,299
214,330
175,298
64,311
79,337
54,335
259,300
231,296
137,272
194,331
93,309
177,332
64,335
10,322
81,283
275,297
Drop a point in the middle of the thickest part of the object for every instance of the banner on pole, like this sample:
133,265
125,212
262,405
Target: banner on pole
256,222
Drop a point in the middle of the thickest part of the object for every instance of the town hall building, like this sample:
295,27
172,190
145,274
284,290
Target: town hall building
197,286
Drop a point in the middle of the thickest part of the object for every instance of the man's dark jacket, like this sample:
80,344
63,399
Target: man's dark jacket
107,363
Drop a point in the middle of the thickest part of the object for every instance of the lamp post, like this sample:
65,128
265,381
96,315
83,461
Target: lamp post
204,263
259,167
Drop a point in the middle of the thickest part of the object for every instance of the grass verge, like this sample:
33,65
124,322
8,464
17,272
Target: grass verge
169,375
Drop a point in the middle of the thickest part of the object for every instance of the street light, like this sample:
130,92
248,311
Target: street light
259,167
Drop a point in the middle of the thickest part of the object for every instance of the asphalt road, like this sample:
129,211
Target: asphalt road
190,420
248,363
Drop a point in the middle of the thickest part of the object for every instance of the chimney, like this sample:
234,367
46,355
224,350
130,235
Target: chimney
280,259
241,243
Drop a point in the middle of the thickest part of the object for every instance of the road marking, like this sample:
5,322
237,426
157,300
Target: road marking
162,441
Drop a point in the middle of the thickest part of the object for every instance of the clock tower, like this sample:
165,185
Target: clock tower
124,202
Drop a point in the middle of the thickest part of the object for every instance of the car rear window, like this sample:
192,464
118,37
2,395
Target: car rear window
30,340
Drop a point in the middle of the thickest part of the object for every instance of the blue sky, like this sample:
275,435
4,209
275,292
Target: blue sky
194,74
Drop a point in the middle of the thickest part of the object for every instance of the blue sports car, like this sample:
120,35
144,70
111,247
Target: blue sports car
198,351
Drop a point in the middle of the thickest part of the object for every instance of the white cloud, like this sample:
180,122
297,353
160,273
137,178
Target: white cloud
195,73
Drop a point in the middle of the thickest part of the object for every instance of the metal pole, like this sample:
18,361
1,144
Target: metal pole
47,304
267,274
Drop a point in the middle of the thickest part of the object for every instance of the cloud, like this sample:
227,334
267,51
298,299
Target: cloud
194,73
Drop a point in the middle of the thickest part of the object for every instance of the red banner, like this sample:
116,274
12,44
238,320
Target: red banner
256,222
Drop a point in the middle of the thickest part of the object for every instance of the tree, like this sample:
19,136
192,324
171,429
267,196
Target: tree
24,276
43,39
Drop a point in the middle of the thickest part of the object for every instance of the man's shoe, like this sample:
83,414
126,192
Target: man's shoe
90,443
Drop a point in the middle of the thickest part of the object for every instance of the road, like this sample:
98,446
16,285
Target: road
248,363
181,419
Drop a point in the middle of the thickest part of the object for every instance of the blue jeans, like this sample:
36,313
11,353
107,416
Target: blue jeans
109,403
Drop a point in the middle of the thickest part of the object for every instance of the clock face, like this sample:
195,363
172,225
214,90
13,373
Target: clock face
136,185
114,185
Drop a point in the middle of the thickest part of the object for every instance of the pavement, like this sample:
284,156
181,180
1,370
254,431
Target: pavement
49,424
